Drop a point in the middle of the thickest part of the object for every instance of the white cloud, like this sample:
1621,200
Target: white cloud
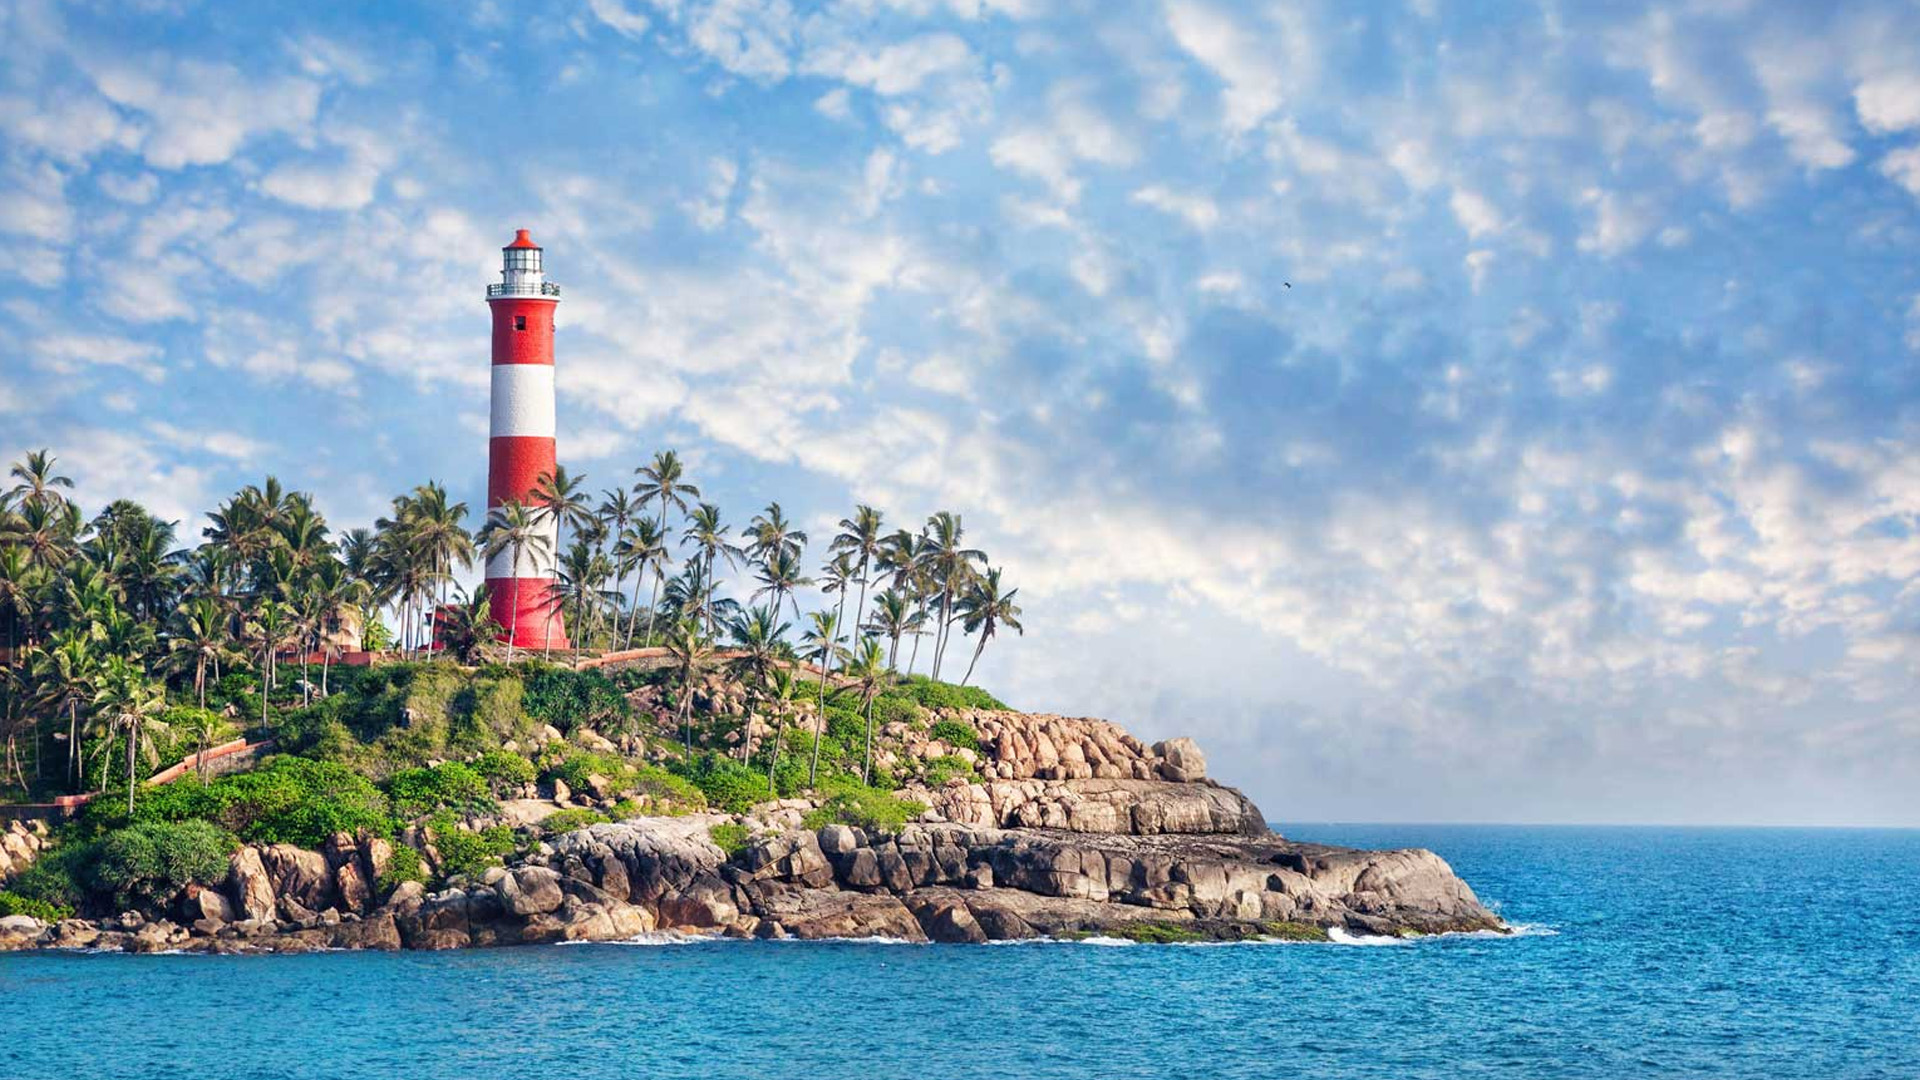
1250,68
1889,103
138,189
620,18
895,68
1903,168
1196,210
1475,213
67,353
200,113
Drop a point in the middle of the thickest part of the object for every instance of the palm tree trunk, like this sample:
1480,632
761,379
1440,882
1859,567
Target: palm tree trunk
940,640
133,738
73,742
866,770
513,609
773,757
819,722
839,612
977,650
200,680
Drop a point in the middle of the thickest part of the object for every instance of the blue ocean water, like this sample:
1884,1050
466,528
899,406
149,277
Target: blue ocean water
1769,954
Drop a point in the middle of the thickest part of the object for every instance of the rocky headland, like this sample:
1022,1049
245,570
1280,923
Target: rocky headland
1064,828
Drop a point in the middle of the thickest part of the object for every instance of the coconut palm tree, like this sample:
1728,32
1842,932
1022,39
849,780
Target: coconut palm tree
38,484
758,633
823,641
617,512
512,528
65,677
437,526
662,482
950,566
862,540
583,573
271,627
691,652
563,499
203,726
780,575
770,533
129,704
893,619
200,636
780,693
709,538
468,625
641,547
867,667
984,609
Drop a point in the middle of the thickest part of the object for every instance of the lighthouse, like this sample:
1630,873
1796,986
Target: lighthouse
520,446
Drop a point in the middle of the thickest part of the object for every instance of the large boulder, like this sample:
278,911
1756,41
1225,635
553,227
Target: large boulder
529,890
300,875
249,887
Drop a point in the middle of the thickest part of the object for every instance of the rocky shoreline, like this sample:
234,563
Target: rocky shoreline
1071,828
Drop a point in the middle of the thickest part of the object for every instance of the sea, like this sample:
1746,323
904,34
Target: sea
1640,952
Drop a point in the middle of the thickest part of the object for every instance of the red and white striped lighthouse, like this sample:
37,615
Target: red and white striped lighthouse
521,450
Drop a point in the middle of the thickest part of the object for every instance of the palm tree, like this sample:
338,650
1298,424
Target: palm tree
640,547
271,626
950,567
770,533
128,703
867,667
512,528
582,574
824,638
985,609
780,575
779,693
39,485
861,540
18,582
758,634
838,575
200,635
691,652
468,625
616,514
202,725
709,537
563,500
662,482
436,526
900,561
893,619
65,676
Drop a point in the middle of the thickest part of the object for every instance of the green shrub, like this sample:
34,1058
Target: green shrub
144,865
404,865
504,770
466,852
1294,931
59,877
867,808
946,767
624,809
580,764
729,837
451,786
290,800
956,733
939,695
565,821
570,699
729,785
15,904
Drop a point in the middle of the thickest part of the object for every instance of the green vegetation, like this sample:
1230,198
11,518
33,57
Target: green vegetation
289,801
142,866
565,821
1158,933
871,809
956,733
1293,931
730,837
948,767
503,770
465,852
15,904
405,865
728,785
449,786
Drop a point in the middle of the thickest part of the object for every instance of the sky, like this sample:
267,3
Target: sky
1442,411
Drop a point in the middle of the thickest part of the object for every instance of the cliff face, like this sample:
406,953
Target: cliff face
1067,827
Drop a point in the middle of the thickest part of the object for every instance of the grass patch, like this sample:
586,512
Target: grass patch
729,837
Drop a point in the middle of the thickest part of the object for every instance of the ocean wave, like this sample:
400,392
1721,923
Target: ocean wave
1340,935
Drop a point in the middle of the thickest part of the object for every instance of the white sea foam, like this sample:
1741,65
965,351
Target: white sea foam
1339,935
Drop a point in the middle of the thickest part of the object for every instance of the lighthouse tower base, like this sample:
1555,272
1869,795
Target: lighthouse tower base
529,612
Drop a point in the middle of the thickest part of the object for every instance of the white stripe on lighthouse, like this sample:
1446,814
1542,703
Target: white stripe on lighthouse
532,564
522,400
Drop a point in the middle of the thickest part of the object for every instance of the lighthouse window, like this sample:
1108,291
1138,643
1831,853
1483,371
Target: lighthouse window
519,322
